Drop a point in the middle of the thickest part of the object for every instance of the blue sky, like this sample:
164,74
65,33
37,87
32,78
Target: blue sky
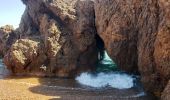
11,12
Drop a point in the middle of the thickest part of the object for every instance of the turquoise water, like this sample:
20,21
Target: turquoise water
1,64
106,65
3,71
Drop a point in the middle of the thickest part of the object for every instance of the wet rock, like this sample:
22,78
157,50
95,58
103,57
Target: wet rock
136,36
7,37
66,32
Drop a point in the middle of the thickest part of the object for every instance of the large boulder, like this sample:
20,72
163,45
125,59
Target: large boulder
25,55
65,31
7,37
136,35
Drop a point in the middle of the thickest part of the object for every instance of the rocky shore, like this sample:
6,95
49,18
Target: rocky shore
58,38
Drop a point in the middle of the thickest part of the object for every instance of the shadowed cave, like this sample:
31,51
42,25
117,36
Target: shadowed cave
104,63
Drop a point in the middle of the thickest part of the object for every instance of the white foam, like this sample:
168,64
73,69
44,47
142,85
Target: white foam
115,80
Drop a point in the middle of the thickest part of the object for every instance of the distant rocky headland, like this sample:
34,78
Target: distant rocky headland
60,38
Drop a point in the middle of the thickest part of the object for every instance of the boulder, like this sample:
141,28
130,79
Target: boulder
25,55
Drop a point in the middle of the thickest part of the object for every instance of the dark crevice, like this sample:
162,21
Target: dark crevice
51,15
104,63
99,42
100,47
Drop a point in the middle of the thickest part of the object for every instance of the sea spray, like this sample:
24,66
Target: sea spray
114,80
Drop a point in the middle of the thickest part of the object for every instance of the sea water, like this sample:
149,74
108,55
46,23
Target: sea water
106,76
1,64
106,64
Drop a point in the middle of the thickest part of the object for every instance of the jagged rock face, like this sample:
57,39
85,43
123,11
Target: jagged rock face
114,23
136,35
63,32
7,37
166,92
25,55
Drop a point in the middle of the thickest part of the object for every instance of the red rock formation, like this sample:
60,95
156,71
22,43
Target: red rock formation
136,35
65,30
115,24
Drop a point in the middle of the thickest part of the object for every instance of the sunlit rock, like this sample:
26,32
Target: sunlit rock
7,37
136,35
66,32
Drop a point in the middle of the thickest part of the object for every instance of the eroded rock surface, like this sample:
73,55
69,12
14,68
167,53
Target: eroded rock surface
25,55
62,34
7,37
136,35
166,92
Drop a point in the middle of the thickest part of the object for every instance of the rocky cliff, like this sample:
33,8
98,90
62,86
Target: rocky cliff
58,37
136,35
7,37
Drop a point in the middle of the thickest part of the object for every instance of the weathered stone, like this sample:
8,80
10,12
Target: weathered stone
116,26
166,92
66,30
136,36
22,55
7,37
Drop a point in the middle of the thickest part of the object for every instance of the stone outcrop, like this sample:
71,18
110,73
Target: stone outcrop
166,92
7,37
136,35
58,37
23,55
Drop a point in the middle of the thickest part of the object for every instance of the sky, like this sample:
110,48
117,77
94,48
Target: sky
11,12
